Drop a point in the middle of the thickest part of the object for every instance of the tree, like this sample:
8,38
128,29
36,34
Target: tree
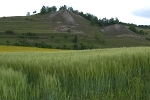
75,46
53,8
49,9
94,20
116,20
132,28
43,10
111,21
34,12
75,40
82,46
63,7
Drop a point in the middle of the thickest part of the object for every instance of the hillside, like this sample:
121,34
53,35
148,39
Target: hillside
59,29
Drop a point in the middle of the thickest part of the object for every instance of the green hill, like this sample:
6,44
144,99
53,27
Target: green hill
59,29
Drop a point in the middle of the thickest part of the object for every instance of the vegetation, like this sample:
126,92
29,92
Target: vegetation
141,32
28,35
9,32
26,49
47,9
114,74
51,30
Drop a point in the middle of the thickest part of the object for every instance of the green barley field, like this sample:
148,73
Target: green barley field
100,74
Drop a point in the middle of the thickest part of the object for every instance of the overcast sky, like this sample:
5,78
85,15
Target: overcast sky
129,11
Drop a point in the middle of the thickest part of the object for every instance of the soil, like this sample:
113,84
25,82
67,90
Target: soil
118,30
65,21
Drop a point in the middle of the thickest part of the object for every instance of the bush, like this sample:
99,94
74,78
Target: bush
52,37
141,32
148,38
66,36
28,35
9,32
75,40
69,30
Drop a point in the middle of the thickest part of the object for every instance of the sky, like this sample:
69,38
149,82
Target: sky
129,11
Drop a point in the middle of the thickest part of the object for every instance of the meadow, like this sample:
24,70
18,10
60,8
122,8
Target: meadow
99,74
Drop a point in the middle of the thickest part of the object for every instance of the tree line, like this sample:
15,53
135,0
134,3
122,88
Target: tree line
92,18
94,21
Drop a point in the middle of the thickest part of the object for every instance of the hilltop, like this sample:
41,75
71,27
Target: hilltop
67,30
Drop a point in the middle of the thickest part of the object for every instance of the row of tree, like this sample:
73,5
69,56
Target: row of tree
48,9
92,18
99,22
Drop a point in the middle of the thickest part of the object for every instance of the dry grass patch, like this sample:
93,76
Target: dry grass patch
26,49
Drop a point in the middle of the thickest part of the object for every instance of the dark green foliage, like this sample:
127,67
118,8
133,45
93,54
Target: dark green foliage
51,9
148,38
66,36
52,37
75,46
64,46
28,35
48,9
75,40
144,26
141,32
63,7
43,10
91,46
24,43
9,32
42,45
69,30
83,46
54,9
132,28
99,22
7,42
34,12
31,44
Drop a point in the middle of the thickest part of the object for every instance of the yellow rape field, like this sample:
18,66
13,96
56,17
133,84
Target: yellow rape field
26,49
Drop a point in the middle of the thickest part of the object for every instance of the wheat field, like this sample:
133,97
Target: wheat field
100,74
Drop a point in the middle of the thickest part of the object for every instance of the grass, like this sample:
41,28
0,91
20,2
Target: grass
100,74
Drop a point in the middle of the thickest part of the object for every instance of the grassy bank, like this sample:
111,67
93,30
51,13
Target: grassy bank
106,74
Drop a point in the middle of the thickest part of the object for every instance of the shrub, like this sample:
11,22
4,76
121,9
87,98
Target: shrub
132,28
141,32
66,36
52,37
28,35
69,30
75,40
9,32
